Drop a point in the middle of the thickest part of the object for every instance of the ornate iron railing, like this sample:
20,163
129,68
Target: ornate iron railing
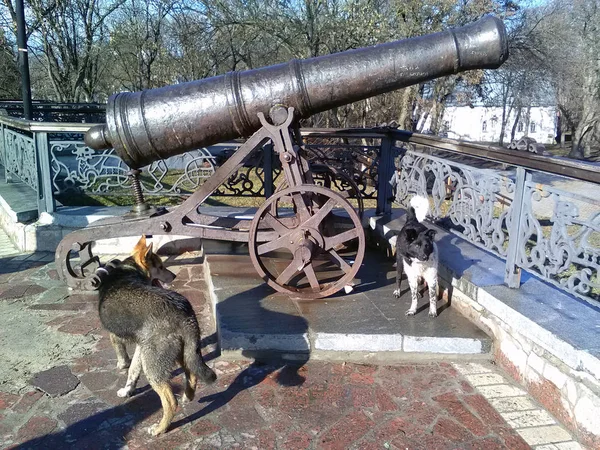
19,158
559,238
76,167
518,212
501,200
471,201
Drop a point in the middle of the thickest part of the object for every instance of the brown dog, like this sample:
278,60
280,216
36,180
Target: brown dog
135,308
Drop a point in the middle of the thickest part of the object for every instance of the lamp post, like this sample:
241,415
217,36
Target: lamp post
23,59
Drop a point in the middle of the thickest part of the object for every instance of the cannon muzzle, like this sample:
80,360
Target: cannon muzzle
158,123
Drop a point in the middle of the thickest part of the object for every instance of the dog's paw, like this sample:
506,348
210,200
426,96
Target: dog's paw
124,392
432,313
123,365
411,312
397,293
184,400
155,430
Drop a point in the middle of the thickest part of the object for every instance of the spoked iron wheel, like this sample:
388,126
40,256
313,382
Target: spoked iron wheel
313,254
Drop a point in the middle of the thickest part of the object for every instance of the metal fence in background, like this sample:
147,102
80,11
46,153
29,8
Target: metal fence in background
538,213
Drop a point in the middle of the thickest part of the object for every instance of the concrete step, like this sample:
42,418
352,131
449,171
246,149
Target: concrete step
18,199
369,323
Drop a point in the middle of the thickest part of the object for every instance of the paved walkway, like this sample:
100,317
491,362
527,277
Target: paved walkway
58,385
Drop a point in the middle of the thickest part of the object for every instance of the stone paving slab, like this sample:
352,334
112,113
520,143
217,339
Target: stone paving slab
535,425
252,316
56,381
266,405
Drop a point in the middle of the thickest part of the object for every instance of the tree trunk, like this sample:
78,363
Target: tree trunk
515,125
578,137
527,120
405,120
582,137
505,116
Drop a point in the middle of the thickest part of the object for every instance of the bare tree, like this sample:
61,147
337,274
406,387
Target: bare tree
564,39
9,75
68,37
138,44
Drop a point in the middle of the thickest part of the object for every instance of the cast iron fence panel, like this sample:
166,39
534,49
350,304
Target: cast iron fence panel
76,167
20,157
250,180
359,161
560,236
465,199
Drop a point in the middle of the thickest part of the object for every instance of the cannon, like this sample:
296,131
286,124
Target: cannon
264,105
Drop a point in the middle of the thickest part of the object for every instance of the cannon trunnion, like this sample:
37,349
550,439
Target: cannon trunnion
300,220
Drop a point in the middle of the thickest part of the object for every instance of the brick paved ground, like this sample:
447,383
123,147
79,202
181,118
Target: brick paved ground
319,405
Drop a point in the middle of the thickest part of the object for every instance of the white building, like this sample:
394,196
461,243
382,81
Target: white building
483,124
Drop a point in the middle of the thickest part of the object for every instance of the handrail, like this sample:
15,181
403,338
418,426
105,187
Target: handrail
45,127
580,170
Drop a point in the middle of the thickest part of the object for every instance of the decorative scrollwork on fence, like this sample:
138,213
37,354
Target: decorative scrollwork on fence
77,167
473,200
20,158
249,180
359,162
560,239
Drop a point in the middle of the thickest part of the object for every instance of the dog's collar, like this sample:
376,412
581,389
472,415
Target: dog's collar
101,270
106,269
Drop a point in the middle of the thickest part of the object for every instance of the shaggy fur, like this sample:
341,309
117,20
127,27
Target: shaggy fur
417,255
161,323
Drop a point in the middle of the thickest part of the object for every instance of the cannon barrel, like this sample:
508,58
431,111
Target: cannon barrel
158,123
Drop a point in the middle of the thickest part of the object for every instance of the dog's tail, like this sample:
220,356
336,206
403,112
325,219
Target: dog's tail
421,207
192,355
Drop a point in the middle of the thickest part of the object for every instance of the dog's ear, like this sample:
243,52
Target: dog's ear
148,251
140,247
410,214
430,233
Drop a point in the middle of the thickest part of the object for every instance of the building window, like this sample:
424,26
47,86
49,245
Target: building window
520,127
484,126
532,127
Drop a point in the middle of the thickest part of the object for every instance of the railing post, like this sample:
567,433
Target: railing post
268,169
46,201
385,172
512,276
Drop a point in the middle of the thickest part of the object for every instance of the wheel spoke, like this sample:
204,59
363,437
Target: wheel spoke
315,220
309,270
288,273
339,261
281,242
301,208
275,224
331,242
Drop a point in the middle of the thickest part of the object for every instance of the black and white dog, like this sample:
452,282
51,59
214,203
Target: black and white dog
417,253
